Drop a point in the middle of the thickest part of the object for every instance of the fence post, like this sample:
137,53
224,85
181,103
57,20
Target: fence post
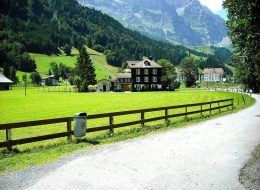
166,117
69,130
219,107
232,102
210,109
111,123
186,111
243,99
142,119
8,139
201,110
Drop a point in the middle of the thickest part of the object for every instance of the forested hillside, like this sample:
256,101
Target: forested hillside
44,26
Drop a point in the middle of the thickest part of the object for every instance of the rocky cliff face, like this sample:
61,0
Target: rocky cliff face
183,21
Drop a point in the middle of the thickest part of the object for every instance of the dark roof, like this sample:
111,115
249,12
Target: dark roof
123,75
131,63
3,79
146,63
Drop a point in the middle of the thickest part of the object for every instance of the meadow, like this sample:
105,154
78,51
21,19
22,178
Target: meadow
15,107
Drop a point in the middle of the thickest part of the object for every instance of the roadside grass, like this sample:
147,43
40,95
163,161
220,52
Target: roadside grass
16,107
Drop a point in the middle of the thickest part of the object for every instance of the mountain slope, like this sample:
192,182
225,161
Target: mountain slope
44,26
186,22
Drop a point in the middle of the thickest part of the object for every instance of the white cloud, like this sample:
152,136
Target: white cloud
213,5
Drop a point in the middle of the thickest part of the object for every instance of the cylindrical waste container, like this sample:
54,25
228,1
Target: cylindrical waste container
80,124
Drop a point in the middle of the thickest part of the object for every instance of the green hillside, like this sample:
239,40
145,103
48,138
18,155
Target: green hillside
43,63
103,69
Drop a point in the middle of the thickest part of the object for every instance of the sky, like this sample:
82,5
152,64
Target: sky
213,5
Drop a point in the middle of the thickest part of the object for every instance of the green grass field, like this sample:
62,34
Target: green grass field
43,64
15,107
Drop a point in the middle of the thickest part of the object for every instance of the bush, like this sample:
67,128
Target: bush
71,80
77,82
176,85
36,77
92,88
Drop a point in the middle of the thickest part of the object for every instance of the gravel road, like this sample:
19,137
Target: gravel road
208,155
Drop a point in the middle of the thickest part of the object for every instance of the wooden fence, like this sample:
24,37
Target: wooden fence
111,126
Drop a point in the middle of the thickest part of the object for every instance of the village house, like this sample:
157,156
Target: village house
213,75
5,82
104,85
49,81
138,76
123,81
146,75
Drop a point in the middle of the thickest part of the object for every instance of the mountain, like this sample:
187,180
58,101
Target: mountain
186,22
222,13
45,26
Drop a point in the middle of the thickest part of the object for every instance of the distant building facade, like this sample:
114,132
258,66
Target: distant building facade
213,75
123,81
180,75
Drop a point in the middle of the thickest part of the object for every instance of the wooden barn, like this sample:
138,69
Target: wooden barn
4,82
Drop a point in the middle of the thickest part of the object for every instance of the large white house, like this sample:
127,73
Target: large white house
214,75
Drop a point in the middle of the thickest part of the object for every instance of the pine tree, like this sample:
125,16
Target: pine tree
85,70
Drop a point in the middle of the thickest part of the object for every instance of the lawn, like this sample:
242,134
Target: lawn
15,107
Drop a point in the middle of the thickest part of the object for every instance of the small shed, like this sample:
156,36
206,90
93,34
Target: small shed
4,82
104,85
49,81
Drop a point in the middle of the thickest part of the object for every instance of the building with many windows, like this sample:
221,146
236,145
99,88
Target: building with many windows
142,75
213,75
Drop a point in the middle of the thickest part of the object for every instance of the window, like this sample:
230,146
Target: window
147,63
137,71
137,79
146,79
154,79
146,72
155,71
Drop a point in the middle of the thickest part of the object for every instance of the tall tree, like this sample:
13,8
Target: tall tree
85,70
244,26
169,74
189,69
55,70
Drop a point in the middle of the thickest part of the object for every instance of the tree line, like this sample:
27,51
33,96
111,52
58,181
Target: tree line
40,26
244,26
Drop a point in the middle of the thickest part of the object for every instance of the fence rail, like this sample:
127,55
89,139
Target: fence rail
111,126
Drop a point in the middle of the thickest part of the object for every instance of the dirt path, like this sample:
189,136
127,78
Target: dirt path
208,155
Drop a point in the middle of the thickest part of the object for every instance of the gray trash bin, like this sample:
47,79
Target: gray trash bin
80,124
